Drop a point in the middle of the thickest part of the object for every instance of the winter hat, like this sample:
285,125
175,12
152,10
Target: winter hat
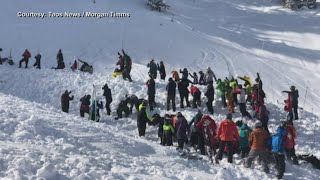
179,114
229,116
292,87
258,124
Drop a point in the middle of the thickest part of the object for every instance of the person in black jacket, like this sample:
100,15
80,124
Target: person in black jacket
37,63
210,96
123,107
195,78
85,103
60,61
202,80
133,101
162,71
184,92
171,94
143,118
65,101
185,73
151,92
107,94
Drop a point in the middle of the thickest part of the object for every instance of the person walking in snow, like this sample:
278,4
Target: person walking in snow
108,96
184,92
60,60
168,131
65,101
196,94
202,80
152,69
242,102
210,96
171,94
37,63
278,149
85,105
195,78
162,70
227,132
143,118
258,141
26,55
210,76
181,129
151,85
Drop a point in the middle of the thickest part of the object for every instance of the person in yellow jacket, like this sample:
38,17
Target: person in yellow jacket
143,118
168,131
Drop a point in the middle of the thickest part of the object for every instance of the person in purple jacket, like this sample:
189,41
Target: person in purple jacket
181,130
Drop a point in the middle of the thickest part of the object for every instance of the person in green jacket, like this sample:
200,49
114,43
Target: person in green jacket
168,131
222,91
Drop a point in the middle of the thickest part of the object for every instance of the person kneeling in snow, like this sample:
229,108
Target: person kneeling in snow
123,107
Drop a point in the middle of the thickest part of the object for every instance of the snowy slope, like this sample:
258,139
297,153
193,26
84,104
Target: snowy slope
233,37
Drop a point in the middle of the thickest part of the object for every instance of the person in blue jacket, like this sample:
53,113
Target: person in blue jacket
278,149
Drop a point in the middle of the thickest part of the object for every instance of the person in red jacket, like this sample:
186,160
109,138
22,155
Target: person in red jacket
288,106
290,143
196,94
227,132
26,55
207,128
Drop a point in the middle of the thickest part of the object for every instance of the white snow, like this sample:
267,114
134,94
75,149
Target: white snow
233,37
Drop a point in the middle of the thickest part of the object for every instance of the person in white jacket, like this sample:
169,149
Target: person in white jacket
242,102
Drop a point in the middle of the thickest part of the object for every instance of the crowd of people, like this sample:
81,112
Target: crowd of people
201,132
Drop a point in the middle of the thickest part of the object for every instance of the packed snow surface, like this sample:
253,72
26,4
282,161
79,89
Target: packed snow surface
233,37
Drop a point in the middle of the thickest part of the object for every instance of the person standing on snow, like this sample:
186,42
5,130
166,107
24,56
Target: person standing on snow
198,135
221,87
152,69
65,101
196,94
151,85
292,103
181,129
258,141
127,64
168,131
171,94
229,97
60,60
290,143
26,55
195,78
227,132
184,92
162,70
108,96
85,105
210,96
210,76
244,132
202,80
37,63
278,149
185,73
143,118
242,102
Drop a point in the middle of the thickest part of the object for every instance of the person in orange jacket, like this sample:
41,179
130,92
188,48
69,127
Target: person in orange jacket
227,132
26,55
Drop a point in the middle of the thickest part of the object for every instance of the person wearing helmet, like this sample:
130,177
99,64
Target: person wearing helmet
227,133
258,139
